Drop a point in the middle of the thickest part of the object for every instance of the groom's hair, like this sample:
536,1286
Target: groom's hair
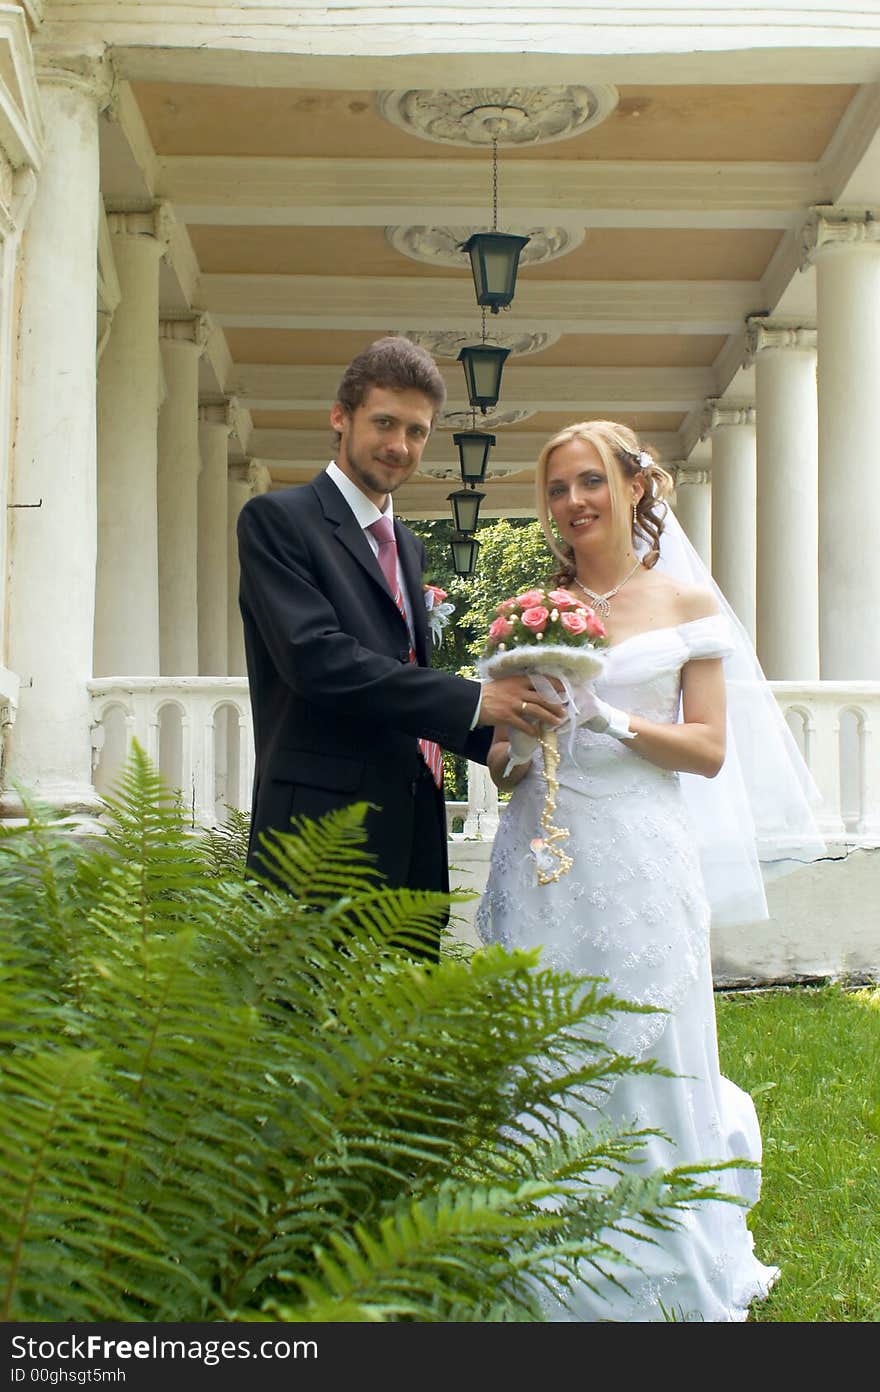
395,363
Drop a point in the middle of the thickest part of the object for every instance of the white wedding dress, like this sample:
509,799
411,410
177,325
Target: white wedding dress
633,910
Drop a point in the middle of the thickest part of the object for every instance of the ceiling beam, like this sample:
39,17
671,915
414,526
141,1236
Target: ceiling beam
428,497
320,47
278,191
515,449
438,302
267,387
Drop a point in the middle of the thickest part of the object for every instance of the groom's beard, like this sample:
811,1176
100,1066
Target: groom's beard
378,474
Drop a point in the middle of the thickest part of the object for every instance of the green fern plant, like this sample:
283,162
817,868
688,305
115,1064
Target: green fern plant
225,846
230,1102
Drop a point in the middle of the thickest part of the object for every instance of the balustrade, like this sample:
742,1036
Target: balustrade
834,723
197,730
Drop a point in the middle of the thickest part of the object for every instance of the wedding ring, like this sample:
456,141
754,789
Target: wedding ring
523,708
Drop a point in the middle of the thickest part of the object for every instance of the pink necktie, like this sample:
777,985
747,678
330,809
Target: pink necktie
383,531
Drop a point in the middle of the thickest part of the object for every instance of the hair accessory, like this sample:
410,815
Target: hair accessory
645,460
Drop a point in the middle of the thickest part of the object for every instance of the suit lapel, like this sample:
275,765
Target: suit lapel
351,535
348,530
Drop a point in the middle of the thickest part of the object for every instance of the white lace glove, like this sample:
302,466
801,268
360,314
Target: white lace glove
600,717
522,747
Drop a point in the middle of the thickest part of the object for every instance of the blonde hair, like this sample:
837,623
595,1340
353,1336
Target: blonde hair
623,455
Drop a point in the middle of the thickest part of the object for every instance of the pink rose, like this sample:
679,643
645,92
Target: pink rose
535,618
531,599
595,627
562,599
500,628
505,606
573,623
438,594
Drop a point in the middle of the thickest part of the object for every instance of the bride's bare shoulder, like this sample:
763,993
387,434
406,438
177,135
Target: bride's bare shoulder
687,602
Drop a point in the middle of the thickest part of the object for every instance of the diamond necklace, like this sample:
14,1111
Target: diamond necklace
601,602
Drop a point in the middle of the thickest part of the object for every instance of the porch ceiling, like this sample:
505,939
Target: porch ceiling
683,207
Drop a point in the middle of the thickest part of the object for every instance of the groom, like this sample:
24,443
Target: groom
345,706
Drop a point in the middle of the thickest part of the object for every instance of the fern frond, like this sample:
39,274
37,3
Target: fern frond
225,847
223,1091
322,862
56,1207
149,855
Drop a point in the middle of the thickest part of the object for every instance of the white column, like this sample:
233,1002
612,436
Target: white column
17,190
787,500
693,508
182,342
846,250
240,489
215,424
732,428
53,520
127,596
245,480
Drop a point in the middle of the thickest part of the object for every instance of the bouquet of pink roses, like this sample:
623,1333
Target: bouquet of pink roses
546,633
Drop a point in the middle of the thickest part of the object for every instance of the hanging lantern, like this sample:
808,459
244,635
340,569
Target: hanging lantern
494,264
483,365
473,453
464,553
465,508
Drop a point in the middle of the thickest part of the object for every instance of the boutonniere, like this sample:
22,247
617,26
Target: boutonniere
437,611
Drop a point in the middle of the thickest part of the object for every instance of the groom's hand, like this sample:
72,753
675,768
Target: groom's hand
514,701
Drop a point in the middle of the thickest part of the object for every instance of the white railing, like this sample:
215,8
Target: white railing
835,725
197,730
9,687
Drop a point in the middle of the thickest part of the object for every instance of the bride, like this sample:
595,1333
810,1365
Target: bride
634,908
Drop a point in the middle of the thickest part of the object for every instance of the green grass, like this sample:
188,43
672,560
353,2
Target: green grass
810,1057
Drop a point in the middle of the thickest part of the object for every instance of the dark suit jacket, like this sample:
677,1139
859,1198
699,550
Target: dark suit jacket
337,705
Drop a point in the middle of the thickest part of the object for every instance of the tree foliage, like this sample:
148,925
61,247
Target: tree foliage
223,1101
513,556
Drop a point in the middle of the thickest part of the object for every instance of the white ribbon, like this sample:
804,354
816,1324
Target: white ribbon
544,687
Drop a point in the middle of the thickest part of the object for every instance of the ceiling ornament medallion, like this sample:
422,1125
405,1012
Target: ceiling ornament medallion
514,116
452,472
442,246
492,420
448,343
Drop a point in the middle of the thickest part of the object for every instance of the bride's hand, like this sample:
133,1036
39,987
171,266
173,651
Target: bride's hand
599,716
505,769
522,747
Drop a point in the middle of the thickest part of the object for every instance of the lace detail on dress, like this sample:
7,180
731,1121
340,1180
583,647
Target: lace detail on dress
618,913
633,911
